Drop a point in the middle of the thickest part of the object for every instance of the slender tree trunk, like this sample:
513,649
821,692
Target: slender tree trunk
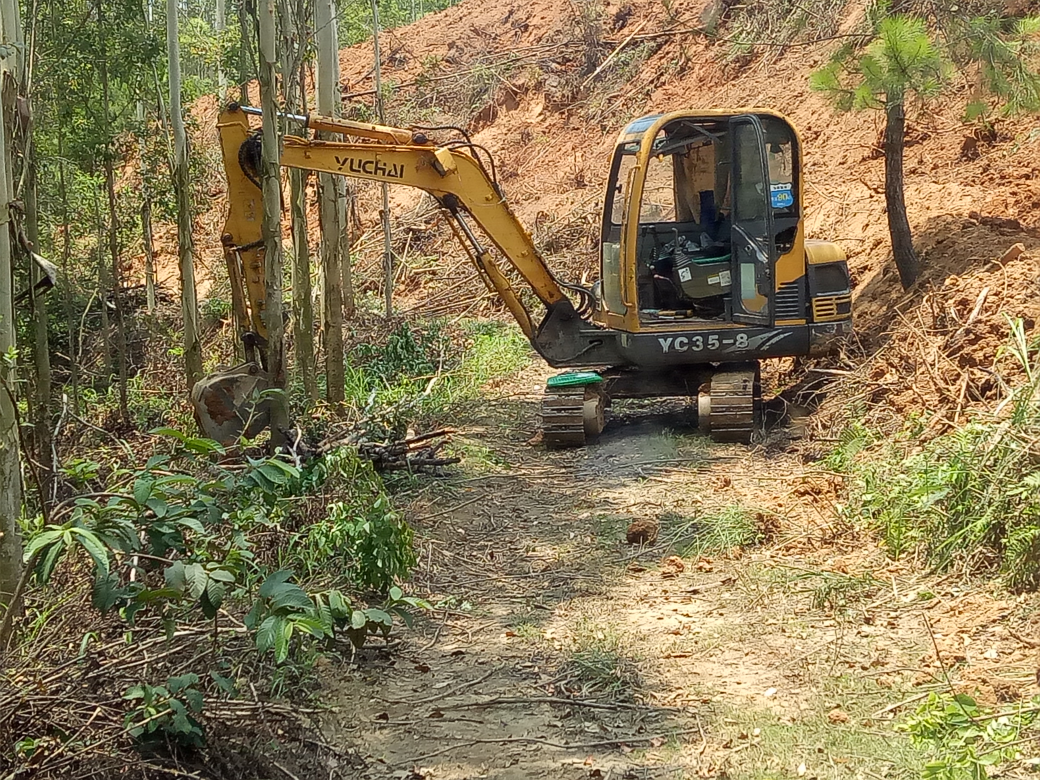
10,463
218,28
146,195
182,189
113,228
388,252
41,342
336,283
907,263
293,16
103,286
66,279
149,249
244,75
302,301
272,218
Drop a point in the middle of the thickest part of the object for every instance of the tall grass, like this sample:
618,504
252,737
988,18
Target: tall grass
970,496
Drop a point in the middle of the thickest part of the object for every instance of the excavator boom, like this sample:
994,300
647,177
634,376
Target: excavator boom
453,174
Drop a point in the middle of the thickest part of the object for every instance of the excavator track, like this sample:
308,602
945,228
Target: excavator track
571,416
733,410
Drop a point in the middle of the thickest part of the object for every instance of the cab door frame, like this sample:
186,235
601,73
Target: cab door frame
753,243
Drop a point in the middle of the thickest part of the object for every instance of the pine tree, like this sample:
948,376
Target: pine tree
901,63
904,65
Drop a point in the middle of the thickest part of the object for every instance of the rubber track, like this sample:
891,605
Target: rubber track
563,421
736,398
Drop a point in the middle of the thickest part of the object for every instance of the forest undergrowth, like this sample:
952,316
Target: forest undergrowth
183,591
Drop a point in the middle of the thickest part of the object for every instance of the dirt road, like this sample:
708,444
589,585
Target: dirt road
778,642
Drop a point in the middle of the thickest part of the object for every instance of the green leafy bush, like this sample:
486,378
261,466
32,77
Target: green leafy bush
423,377
966,742
166,711
362,531
178,536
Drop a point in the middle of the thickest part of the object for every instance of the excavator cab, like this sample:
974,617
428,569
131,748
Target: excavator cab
702,224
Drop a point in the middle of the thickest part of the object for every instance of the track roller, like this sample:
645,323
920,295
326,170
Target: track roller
572,416
731,408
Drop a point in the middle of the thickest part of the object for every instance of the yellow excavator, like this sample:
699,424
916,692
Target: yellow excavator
705,268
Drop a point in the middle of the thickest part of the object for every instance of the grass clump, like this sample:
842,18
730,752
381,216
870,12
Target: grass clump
808,740
970,496
426,375
597,665
780,22
713,532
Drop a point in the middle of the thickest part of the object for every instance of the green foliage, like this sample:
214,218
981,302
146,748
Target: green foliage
201,526
166,712
423,377
968,742
971,494
362,532
901,60
908,55
355,19
716,531
1004,49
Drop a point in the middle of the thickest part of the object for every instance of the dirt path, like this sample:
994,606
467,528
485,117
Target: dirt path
775,646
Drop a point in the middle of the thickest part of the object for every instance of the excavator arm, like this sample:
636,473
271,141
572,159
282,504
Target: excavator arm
456,178
451,173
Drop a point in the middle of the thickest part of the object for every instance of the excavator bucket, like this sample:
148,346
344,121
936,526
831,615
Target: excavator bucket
228,405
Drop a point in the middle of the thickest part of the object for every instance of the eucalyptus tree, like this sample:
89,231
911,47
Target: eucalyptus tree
10,460
182,190
267,37
295,17
337,286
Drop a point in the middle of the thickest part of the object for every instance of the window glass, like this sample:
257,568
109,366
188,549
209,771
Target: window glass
658,189
780,156
617,211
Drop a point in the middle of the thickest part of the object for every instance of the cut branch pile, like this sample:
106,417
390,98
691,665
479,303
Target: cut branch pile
414,453
939,354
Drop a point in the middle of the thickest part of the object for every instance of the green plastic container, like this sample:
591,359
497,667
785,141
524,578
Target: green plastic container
574,379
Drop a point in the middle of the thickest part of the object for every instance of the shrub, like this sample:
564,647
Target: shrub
972,494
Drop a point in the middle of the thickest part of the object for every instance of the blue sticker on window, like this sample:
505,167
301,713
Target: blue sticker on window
781,196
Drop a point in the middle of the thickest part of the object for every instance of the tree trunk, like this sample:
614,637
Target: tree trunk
103,286
244,76
113,227
10,471
65,280
302,302
218,27
272,218
388,252
293,16
41,341
337,290
907,263
182,190
146,195
149,249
